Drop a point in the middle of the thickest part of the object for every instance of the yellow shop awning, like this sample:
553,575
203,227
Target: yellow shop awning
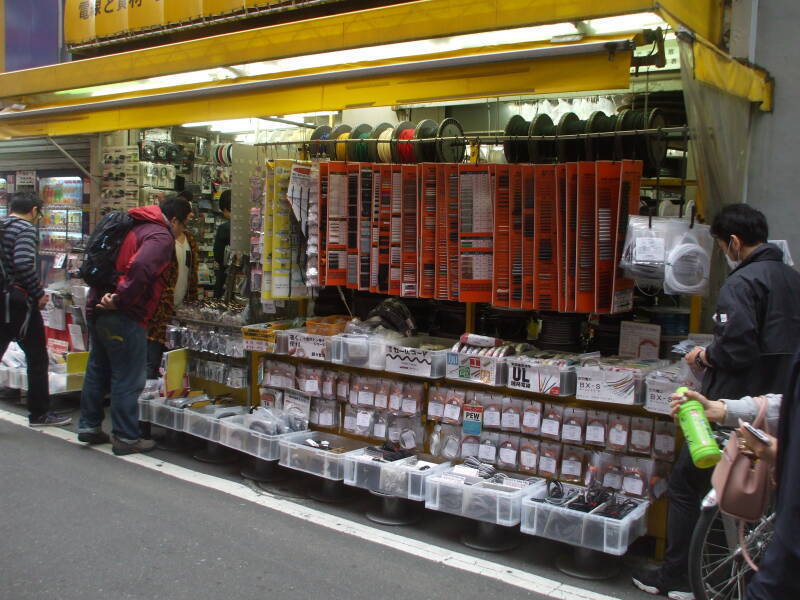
511,70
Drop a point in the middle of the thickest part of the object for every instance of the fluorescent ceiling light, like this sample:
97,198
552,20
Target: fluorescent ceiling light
624,24
239,125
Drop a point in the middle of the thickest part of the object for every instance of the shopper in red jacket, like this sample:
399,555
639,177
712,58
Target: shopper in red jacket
118,327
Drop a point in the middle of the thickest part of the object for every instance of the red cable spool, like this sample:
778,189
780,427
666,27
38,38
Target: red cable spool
406,151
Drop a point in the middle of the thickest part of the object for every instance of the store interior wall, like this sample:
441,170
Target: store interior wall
773,176
32,33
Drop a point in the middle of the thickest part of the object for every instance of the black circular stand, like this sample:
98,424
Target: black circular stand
584,563
173,441
393,510
329,491
491,537
215,454
262,471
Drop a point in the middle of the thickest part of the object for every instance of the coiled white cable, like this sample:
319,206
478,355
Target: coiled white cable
686,269
385,146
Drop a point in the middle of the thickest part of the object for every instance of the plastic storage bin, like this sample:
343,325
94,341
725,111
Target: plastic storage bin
401,478
204,421
236,435
585,530
479,499
145,410
410,356
297,455
166,415
359,350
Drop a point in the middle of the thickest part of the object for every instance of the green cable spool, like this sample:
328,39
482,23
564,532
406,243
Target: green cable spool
359,152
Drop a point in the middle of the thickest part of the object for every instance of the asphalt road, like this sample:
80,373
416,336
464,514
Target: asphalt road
80,524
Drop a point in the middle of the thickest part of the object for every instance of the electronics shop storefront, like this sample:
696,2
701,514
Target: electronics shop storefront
434,261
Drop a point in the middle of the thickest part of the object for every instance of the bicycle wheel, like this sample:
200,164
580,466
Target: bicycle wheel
717,569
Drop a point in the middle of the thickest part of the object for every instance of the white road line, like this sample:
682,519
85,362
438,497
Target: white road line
437,554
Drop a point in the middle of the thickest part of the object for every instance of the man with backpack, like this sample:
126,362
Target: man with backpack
22,300
125,264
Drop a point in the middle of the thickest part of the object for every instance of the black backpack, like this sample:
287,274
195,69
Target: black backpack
99,269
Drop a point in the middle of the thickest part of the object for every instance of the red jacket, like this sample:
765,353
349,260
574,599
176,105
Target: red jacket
143,258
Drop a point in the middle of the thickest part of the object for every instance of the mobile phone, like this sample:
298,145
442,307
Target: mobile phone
758,434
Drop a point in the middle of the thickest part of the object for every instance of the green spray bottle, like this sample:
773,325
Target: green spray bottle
696,429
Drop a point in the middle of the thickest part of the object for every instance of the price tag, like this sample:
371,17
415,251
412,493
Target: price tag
618,436
531,419
469,449
473,417
571,467
649,250
633,485
550,427
487,452
571,433
547,464
665,444
326,418
381,400
508,456
435,409
452,412
366,397
409,406
395,401
409,439
612,480
527,459
491,417
379,431
363,419
327,388
342,388
596,433
311,386
511,420
640,439
349,423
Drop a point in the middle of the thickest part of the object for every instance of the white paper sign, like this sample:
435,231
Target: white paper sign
639,340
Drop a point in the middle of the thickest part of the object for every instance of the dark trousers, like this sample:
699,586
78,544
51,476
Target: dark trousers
688,485
155,350
219,282
117,363
34,346
777,574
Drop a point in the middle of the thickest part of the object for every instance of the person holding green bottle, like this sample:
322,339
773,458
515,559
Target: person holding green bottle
756,333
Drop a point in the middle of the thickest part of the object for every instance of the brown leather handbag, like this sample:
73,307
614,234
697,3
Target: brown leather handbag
741,481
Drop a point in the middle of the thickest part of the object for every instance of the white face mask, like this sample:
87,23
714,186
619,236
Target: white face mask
731,262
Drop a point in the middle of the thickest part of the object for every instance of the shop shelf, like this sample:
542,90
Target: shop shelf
409,356
297,455
401,478
358,350
204,421
488,370
236,434
478,499
585,530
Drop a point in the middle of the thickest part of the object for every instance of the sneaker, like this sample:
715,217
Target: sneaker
50,420
121,448
94,438
651,582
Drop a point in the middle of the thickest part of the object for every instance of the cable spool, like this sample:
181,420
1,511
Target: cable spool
600,148
569,150
372,146
541,151
561,332
652,149
382,149
450,151
359,152
425,152
686,269
607,332
674,320
341,148
516,151
403,153
323,132
330,146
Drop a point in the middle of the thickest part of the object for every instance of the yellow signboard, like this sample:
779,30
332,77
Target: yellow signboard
88,20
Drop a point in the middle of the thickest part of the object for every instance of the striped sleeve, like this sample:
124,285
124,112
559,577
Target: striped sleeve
24,261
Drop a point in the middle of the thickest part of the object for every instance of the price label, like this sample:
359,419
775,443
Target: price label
527,459
491,417
511,420
363,419
596,433
379,431
551,427
487,452
531,419
381,400
409,406
452,412
508,456
571,433
435,409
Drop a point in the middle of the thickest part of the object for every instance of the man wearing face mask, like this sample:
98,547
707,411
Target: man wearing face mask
756,333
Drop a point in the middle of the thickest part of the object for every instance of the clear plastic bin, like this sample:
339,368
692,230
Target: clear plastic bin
204,421
4,376
479,499
359,350
167,416
236,435
409,356
144,410
585,530
401,478
488,370
297,455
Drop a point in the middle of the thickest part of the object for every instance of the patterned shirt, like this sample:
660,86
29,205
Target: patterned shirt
20,244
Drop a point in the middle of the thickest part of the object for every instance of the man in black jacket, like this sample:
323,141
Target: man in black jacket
756,332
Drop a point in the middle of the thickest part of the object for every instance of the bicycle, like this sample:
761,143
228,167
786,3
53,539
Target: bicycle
718,569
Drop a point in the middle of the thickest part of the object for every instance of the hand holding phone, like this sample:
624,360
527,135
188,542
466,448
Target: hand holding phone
757,434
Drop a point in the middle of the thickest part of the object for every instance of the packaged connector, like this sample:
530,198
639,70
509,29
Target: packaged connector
487,452
619,427
531,417
549,459
552,419
664,440
572,428
512,409
596,425
507,452
641,435
454,402
528,455
436,400
572,464
492,409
